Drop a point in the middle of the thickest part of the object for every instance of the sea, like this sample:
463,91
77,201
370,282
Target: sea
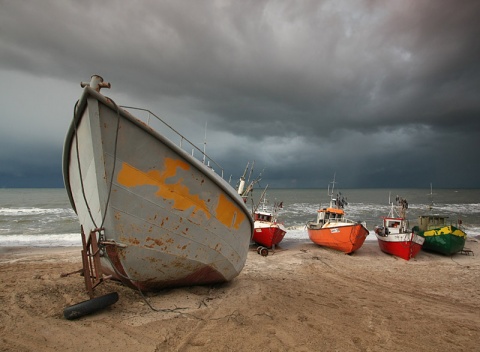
45,218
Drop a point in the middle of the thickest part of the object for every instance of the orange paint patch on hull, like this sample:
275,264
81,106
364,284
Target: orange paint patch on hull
130,176
228,213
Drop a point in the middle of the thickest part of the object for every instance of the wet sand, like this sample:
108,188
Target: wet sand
300,298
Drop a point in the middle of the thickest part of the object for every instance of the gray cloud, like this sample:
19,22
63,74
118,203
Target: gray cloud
383,93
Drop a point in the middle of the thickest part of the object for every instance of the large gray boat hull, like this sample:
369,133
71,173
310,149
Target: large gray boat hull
162,218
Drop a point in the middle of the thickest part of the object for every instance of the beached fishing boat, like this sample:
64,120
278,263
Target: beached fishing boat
395,237
268,231
441,236
332,229
151,214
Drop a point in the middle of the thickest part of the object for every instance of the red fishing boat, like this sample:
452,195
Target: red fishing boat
331,228
395,237
267,232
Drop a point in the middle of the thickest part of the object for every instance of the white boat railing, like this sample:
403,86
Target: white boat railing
205,159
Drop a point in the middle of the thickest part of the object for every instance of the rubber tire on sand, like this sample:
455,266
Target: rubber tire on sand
90,306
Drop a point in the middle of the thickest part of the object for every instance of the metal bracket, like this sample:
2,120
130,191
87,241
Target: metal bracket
92,271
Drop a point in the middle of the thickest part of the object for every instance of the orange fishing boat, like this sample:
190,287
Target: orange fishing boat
331,229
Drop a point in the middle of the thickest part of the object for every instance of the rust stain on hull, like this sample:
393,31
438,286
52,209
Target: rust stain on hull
202,276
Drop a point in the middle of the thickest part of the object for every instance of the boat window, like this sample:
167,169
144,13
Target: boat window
263,217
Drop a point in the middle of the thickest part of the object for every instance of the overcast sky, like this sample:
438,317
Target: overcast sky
382,93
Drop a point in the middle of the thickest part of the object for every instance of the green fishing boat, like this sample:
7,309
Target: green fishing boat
440,236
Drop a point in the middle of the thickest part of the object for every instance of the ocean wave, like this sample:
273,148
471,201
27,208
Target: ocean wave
45,217
45,240
35,211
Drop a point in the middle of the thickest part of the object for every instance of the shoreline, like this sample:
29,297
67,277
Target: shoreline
286,243
300,297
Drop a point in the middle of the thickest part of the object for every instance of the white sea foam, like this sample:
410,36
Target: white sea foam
34,211
46,240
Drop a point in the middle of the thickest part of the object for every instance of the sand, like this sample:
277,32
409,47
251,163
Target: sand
300,298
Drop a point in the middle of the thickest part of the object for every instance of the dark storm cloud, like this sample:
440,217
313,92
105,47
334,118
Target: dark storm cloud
383,93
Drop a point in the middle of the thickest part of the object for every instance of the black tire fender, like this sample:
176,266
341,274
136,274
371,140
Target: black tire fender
90,306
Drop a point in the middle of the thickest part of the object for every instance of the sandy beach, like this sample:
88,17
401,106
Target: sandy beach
300,298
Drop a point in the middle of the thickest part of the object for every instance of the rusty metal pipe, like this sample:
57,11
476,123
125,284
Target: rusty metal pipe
96,83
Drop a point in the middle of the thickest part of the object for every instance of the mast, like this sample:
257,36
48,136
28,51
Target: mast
241,184
430,207
251,185
262,200
251,171
330,193
243,191
205,143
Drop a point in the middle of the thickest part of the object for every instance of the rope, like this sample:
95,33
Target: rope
126,277
114,161
113,168
78,163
